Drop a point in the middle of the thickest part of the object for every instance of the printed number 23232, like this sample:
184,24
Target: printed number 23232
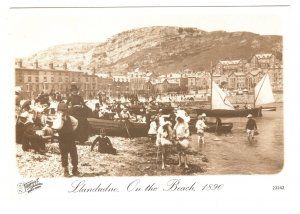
278,187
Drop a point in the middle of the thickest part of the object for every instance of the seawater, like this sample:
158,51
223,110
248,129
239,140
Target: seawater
233,154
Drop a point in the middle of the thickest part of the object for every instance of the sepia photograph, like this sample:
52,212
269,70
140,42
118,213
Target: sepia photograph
147,95
135,107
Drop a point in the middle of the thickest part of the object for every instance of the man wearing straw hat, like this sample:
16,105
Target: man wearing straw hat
251,127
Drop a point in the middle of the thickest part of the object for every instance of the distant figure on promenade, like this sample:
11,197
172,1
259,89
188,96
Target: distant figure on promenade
251,127
200,126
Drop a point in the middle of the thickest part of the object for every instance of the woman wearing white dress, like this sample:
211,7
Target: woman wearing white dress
152,132
182,133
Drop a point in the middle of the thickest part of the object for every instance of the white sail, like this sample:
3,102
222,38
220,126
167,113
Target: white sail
263,91
219,100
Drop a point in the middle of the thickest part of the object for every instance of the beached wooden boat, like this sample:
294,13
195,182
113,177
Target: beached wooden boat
119,128
256,112
269,108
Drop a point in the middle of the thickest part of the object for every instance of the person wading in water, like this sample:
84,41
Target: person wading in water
251,127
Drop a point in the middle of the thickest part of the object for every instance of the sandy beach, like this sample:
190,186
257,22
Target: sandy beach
135,157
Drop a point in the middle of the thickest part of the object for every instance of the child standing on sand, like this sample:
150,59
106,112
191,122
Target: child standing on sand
200,126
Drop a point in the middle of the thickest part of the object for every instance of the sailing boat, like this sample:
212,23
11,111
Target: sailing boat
221,107
264,94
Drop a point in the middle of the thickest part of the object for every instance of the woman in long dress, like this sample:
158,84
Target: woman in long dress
182,133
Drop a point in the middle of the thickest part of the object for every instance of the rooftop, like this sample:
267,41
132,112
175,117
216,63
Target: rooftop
263,56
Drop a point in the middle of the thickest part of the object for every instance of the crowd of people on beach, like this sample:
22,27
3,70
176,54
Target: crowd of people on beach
49,118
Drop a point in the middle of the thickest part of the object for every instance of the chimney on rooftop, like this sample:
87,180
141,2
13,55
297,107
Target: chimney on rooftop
19,63
51,65
65,67
36,64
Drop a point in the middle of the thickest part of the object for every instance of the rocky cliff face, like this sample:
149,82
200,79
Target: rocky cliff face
161,50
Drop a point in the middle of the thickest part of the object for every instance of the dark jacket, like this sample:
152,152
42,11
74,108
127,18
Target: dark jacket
104,145
251,124
75,100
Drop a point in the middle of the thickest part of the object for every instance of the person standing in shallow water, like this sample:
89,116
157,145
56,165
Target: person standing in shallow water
65,126
251,127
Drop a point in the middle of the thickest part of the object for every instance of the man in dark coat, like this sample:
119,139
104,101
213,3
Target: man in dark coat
75,99
77,110
66,125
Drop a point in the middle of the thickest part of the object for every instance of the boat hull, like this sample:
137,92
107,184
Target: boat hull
212,127
118,128
256,112
269,108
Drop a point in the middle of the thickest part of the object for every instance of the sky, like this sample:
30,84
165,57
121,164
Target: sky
33,30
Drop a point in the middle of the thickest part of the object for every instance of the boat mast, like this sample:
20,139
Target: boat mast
211,81
254,99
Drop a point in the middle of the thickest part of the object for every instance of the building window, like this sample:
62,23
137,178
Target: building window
45,79
29,79
60,79
67,80
52,79
36,79
86,79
